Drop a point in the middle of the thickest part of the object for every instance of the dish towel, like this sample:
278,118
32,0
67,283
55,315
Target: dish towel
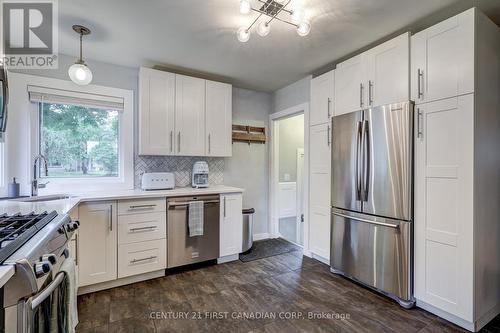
68,267
195,218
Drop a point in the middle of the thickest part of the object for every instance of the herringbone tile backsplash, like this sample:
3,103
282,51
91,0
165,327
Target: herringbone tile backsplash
181,166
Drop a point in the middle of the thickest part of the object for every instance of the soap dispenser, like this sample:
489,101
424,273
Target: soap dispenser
13,189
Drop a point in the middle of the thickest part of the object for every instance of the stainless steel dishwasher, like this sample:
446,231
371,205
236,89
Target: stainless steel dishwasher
182,249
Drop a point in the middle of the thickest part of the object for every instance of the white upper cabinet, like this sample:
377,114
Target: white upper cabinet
322,94
184,116
189,115
156,112
387,67
443,59
218,122
349,77
376,77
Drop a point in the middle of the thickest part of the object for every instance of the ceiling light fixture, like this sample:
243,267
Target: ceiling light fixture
272,10
79,72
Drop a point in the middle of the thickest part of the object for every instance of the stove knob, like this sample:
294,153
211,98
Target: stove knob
60,230
76,224
72,226
50,258
42,268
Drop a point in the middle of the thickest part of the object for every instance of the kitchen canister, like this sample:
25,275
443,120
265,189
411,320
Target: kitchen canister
13,191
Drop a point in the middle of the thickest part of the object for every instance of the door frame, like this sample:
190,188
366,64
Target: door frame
273,224
300,190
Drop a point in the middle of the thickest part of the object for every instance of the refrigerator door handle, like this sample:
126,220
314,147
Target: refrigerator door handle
382,224
366,159
358,160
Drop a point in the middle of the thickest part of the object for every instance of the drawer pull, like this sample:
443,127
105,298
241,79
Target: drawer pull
151,206
133,261
143,228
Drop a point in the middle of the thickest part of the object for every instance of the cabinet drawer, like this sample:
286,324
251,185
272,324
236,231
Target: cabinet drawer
139,206
141,227
139,258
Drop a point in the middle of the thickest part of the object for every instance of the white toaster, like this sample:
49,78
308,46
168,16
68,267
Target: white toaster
158,181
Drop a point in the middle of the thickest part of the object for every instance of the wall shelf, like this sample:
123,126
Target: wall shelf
249,134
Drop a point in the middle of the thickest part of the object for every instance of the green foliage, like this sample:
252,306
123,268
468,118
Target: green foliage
79,139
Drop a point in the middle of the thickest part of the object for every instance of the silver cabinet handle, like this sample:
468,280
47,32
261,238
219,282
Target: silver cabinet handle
419,123
209,144
179,142
143,228
328,136
133,261
370,92
328,106
382,224
149,206
110,217
224,206
76,249
171,141
420,77
361,95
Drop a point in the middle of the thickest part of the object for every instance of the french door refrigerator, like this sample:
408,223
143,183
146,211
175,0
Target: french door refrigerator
372,199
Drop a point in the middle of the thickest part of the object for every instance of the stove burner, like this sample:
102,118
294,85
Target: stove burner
17,229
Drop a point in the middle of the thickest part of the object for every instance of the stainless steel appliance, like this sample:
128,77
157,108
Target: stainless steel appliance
4,99
199,177
372,199
157,181
183,249
36,245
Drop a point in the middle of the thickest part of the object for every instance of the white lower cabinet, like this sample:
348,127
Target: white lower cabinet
142,257
231,224
97,242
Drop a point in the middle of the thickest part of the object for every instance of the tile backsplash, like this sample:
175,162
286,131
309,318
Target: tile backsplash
181,166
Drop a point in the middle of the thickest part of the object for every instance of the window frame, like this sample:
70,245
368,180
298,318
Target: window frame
125,179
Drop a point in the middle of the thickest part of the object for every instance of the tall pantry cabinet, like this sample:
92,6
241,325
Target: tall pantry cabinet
321,111
455,80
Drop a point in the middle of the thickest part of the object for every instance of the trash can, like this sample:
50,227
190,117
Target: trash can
247,228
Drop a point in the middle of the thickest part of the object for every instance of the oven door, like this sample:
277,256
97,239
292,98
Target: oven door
47,311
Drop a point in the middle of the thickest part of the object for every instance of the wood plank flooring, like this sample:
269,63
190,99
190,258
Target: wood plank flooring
287,285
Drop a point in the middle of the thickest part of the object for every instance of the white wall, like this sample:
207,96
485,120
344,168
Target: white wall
296,93
249,166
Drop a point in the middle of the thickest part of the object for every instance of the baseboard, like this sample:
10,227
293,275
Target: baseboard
447,316
320,258
262,236
229,258
120,282
487,317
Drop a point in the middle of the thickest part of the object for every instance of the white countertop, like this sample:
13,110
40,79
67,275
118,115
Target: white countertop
64,206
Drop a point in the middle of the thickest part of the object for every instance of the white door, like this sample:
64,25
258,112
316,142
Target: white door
322,91
350,89
231,224
443,59
156,112
388,68
444,205
218,119
189,116
319,190
300,196
97,243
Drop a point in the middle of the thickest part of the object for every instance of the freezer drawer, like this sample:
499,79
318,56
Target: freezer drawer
374,251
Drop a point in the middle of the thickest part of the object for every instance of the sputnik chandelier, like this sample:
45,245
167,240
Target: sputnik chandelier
269,11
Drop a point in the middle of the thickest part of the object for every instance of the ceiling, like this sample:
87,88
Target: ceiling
199,35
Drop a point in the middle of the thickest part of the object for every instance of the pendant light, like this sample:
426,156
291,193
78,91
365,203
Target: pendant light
79,72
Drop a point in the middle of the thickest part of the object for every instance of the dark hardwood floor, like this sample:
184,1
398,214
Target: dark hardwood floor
285,285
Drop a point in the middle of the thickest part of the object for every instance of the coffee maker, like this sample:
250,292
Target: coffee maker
199,177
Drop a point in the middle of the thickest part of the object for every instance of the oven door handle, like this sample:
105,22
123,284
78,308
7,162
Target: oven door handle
35,303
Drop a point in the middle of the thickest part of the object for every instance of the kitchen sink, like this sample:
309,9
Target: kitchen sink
41,198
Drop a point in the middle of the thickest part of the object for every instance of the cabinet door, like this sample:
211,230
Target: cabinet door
322,92
97,243
319,192
444,205
219,119
350,89
231,224
156,112
189,116
388,69
443,59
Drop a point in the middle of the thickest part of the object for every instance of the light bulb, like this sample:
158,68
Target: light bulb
298,15
245,7
80,74
243,35
304,28
279,1
263,29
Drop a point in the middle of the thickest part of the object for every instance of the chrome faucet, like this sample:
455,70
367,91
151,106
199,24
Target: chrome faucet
34,183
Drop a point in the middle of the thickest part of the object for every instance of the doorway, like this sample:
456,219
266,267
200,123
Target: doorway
288,188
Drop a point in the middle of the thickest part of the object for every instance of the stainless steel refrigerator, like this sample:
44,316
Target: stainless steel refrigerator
372,199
